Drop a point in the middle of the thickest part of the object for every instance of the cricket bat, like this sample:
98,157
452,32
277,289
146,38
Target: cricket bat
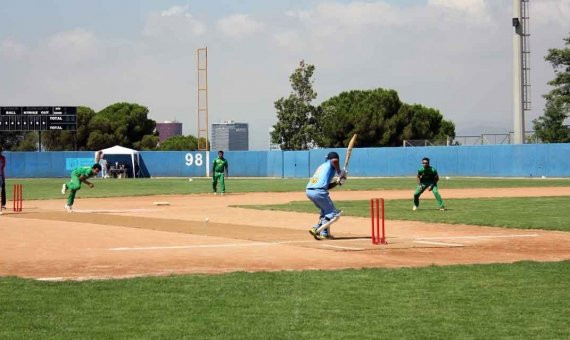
349,151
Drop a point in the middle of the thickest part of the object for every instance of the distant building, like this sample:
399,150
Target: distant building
168,129
230,136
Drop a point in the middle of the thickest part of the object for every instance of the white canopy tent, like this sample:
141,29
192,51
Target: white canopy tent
119,150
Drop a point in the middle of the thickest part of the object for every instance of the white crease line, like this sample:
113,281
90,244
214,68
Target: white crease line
439,243
254,244
476,237
50,278
89,278
112,211
339,247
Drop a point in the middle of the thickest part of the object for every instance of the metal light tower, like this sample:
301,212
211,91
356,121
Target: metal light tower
521,67
202,70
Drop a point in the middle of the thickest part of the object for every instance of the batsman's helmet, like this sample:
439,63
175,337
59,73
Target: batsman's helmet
332,155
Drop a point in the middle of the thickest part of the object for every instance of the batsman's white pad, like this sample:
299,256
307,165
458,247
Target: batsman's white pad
329,223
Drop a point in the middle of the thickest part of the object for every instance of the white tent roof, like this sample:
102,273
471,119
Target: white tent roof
119,150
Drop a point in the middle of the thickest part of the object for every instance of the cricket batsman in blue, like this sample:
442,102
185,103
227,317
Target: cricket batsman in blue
318,192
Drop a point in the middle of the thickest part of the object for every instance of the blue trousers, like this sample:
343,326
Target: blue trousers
322,200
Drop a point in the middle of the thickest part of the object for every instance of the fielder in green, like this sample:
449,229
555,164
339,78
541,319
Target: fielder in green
78,176
219,173
427,179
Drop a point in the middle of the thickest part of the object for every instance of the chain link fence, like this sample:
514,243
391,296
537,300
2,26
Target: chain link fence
483,139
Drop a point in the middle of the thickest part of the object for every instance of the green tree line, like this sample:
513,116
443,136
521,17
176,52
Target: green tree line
378,116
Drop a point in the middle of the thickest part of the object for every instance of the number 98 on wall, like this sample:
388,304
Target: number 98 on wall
195,159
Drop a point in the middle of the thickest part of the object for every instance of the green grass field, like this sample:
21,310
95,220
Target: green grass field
550,213
522,300
50,188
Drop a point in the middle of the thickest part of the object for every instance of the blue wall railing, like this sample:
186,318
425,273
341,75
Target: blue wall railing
529,160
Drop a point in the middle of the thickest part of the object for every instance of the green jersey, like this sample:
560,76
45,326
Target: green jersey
220,164
427,175
86,171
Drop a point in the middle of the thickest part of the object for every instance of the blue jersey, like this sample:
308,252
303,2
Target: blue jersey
322,176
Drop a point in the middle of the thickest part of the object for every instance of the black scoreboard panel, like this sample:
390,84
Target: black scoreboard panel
38,118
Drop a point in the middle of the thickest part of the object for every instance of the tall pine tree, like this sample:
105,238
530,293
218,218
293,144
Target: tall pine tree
295,128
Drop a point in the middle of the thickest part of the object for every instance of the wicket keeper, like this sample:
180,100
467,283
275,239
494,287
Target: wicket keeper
78,176
318,192
427,179
219,172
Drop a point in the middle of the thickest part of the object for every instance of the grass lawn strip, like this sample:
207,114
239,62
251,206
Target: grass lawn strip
50,188
521,300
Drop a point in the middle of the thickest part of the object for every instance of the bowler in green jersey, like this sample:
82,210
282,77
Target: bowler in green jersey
219,173
427,179
80,175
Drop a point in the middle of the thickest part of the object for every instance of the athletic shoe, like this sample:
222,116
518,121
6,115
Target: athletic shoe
63,189
313,231
68,208
415,208
442,209
322,236
222,194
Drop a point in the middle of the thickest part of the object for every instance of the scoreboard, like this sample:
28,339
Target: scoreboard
38,118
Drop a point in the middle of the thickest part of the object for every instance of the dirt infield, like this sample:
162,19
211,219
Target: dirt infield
126,237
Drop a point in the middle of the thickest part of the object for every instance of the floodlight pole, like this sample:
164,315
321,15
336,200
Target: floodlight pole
521,68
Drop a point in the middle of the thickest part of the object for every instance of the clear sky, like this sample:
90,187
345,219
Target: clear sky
454,55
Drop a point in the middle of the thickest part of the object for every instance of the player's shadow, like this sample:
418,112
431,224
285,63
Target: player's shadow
351,237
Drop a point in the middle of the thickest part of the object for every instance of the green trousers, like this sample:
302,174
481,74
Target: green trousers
218,176
72,186
421,188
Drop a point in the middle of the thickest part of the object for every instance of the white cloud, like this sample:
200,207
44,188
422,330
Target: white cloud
336,19
330,19
77,45
465,11
177,11
289,39
548,11
175,22
238,25
472,7
298,14
11,49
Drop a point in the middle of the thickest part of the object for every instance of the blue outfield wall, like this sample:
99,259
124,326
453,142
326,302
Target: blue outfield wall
173,164
44,164
530,160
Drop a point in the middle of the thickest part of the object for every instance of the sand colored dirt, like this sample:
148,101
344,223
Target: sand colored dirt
127,237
